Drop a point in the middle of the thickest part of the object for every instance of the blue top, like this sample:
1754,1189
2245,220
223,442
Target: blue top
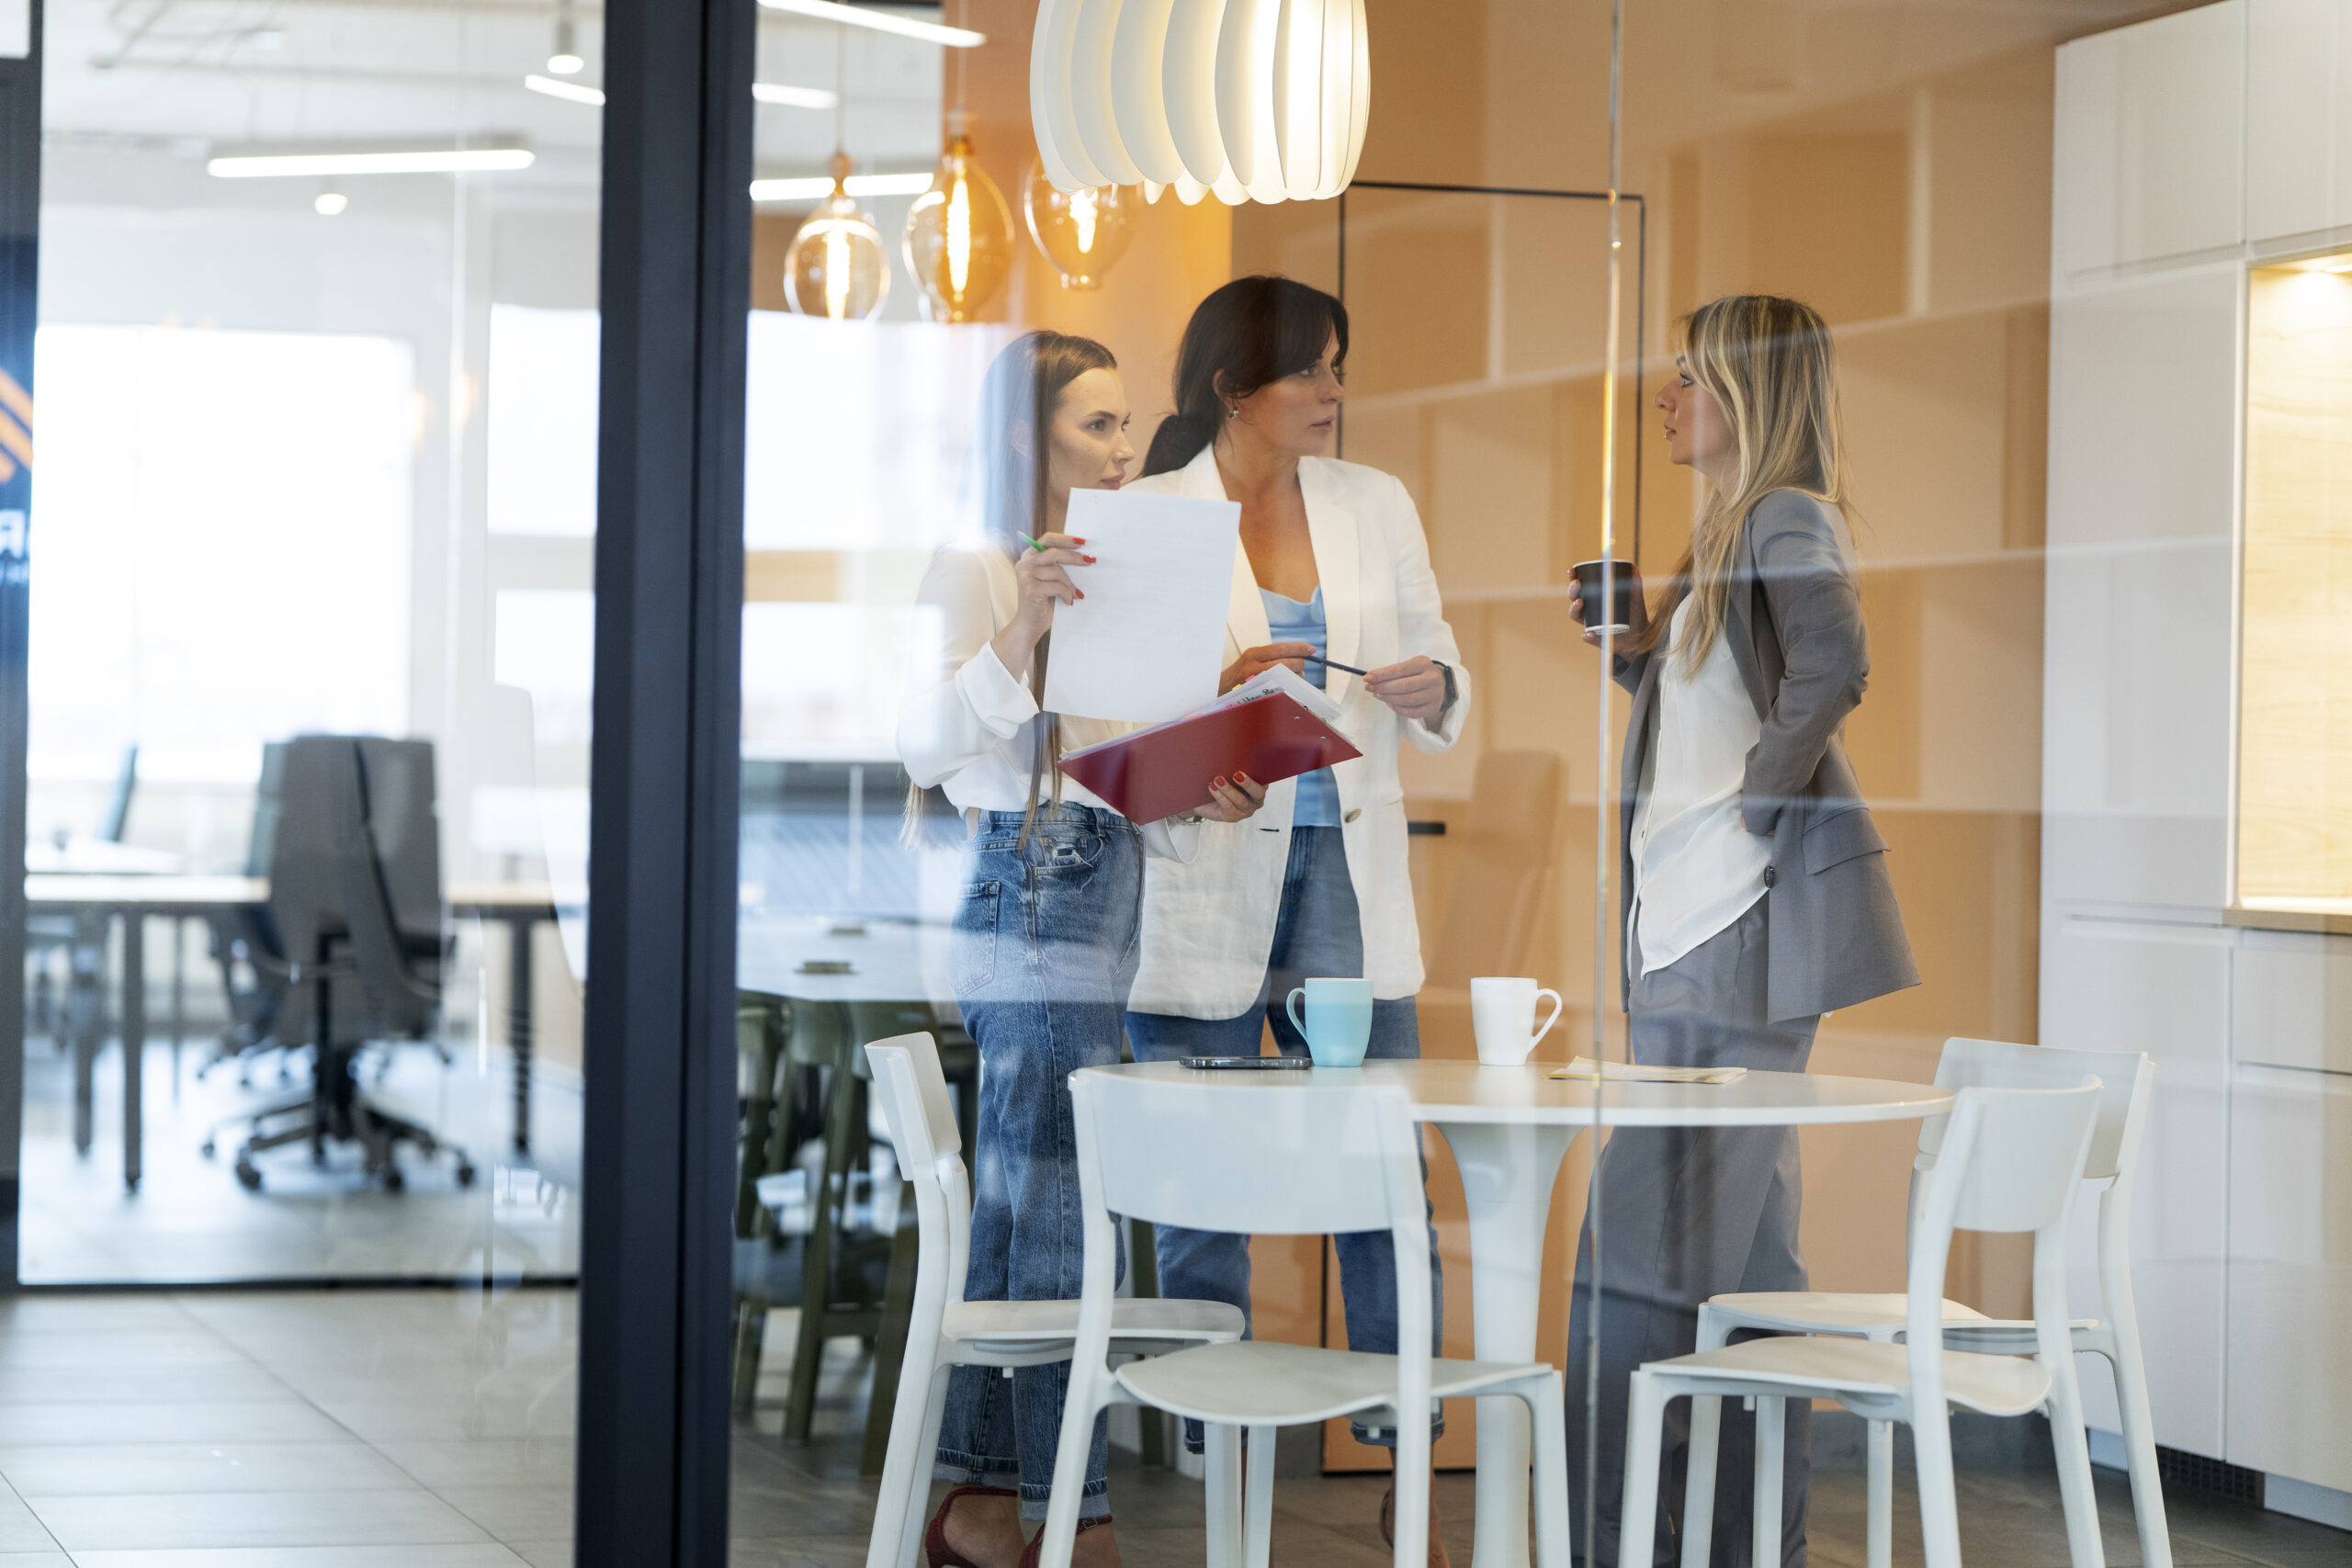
1289,621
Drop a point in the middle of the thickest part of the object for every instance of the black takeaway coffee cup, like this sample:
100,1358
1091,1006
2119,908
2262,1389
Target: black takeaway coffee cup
1587,574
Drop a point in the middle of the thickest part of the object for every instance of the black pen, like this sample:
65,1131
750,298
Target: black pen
1334,664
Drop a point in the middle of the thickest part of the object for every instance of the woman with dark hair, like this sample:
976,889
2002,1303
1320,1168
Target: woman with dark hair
1333,565
1755,891
1043,938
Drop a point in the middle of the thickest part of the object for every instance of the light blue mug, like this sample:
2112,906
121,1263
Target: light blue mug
1338,1025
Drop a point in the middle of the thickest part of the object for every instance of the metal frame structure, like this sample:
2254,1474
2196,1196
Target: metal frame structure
19,309
651,1486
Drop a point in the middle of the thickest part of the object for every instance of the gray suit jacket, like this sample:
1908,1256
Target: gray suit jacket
1795,623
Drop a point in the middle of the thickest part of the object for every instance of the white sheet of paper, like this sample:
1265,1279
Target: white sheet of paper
1147,641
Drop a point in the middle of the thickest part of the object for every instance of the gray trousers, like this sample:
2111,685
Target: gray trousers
1685,1215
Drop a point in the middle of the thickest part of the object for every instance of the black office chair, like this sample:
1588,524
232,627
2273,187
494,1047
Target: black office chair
353,939
79,1016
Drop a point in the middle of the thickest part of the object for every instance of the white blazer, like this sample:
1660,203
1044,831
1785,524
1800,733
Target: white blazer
1208,927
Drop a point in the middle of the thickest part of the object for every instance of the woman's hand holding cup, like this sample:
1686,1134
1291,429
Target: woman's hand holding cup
1628,586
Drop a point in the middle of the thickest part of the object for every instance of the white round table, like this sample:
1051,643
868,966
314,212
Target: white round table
1510,1128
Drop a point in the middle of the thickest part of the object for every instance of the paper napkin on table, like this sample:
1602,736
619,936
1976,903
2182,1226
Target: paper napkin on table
1634,1072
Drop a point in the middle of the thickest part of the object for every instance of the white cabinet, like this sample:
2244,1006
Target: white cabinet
2291,1003
2136,640
2150,141
2299,118
2134,985
2290,1274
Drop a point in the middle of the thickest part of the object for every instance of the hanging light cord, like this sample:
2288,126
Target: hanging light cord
841,87
963,56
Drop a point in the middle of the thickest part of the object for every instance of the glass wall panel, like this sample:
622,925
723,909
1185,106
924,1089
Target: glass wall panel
311,565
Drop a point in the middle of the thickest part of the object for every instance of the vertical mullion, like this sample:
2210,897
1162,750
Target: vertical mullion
652,1473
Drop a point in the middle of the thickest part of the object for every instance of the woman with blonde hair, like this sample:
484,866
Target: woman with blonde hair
1756,892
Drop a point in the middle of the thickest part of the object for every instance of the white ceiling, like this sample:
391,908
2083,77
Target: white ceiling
147,79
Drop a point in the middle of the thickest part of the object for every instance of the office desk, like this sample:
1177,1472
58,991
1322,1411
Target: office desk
133,898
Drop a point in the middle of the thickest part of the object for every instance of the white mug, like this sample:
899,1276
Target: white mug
1502,1015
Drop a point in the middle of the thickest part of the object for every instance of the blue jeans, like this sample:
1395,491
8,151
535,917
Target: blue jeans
1042,953
1318,932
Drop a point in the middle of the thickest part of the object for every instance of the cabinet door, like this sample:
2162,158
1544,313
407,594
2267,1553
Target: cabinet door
2298,119
2136,986
2136,632
2150,141
2290,1001
2290,1274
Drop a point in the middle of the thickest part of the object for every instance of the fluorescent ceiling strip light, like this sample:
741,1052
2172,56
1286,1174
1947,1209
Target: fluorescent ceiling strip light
795,98
765,92
816,187
571,92
441,161
880,21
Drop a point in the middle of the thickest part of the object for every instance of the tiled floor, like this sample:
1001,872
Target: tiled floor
190,1222
433,1429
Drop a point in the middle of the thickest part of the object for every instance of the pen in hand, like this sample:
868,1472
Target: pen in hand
1334,664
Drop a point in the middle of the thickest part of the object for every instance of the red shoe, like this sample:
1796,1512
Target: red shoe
934,1537
1029,1558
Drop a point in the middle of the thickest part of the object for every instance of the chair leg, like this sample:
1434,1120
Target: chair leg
2138,1430
902,1462
2083,1548
751,1336
1644,1421
1545,1416
1880,1528
890,1350
1699,1478
1088,1392
1223,1452
1411,1515
1939,1502
1771,1435
1258,1499
926,1448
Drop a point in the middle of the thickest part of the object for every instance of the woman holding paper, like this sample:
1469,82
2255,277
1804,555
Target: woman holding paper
1755,885
1334,566
1045,934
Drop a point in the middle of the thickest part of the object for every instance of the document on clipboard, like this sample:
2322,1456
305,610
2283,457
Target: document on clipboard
1271,726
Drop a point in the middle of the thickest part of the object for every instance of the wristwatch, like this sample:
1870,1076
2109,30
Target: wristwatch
1451,691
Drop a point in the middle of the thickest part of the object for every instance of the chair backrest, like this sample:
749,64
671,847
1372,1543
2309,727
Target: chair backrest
2125,1080
2011,1160
921,1119
1273,1155
389,871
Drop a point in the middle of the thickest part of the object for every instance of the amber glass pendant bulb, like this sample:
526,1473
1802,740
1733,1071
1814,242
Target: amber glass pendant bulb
960,232
1081,231
836,266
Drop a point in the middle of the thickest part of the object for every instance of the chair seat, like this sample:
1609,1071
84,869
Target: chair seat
1030,1323
1259,1382
1854,1312
1994,1385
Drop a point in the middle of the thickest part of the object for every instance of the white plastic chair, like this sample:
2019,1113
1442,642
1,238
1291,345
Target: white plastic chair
1276,1155
2126,1082
946,1331
2008,1160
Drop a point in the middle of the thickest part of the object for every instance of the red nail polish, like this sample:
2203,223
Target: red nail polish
1089,560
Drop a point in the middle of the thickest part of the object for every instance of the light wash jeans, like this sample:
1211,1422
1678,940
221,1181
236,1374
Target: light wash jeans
1317,933
1042,953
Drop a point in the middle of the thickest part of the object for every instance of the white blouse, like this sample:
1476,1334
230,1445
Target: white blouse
1696,866
968,726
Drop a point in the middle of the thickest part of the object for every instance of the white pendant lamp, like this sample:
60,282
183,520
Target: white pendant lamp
1253,100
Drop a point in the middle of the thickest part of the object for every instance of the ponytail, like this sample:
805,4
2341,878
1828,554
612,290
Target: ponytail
1249,333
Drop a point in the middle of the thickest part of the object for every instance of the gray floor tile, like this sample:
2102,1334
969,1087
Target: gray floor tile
543,1553
254,1519
20,1530
490,1461
35,1559
451,1418
88,1315
43,1383
121,1469
286,1420
516,1513
190,1345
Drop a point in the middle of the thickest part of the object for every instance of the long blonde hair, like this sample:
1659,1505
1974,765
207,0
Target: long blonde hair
1768,362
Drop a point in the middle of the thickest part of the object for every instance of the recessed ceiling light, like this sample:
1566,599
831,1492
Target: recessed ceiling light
573,91
330,204
404,161
795,98
816,187
880,21
566,65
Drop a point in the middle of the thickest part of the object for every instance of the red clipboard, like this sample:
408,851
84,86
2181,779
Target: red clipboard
1158,772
